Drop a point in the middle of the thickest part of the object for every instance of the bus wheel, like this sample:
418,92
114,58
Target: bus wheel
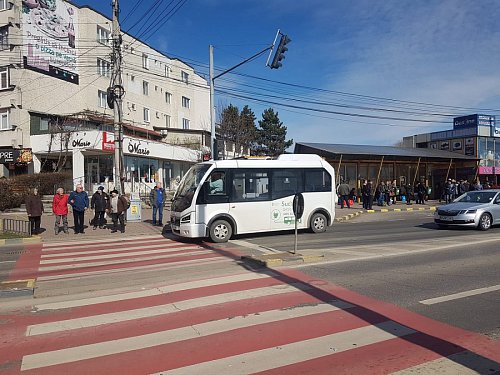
220,231
318,223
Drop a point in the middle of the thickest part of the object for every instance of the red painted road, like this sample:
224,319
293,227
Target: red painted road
269,321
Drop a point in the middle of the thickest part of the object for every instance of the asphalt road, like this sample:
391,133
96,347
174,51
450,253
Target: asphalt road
404,259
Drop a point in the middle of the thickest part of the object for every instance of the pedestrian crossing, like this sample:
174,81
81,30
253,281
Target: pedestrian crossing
251,321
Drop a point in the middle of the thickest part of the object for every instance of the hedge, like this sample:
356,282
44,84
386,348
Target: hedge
13,191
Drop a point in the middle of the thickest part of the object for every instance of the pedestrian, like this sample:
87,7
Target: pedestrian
420,190
157,201
343,191
60,210
34,208
447,191
369,192
410,194
364,194
79,200
381,193
116,206
98,203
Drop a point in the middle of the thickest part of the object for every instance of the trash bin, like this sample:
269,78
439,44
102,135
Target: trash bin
135,210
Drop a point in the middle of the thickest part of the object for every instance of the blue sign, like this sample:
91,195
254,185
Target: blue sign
465,122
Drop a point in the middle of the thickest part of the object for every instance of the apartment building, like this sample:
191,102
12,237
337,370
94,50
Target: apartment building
55,68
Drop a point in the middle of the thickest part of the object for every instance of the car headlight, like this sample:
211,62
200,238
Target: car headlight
470,211
186,218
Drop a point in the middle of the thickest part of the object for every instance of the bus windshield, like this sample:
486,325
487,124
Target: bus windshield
185,192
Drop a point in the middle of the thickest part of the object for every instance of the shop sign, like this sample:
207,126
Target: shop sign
80,143
135,147
465,122
8,156
457,145
486,170
108,141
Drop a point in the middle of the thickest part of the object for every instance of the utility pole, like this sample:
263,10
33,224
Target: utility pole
115,94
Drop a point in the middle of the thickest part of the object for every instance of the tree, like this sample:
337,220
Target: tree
271,139
237,127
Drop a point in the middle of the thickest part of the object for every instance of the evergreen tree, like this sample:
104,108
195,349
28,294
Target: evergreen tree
248,130
271,135
237,127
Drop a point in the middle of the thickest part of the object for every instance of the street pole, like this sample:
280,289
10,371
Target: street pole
212,103
116,90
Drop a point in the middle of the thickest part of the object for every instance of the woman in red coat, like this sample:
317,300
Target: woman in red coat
34,208
60,210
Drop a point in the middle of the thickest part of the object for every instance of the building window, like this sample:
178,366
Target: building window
167,121
4,38
103,35
146,115
185,123
103,68
44,124
168,71
4,78
102,99
3,5
145,61
184,77
185,102
4,119
145,87
132,78
168,97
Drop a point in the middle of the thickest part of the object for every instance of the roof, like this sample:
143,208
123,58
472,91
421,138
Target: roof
376,152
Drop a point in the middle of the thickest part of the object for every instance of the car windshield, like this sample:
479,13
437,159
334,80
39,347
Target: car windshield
185,192
477,197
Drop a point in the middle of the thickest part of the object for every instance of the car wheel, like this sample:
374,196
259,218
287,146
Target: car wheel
220,231
484,222
318,223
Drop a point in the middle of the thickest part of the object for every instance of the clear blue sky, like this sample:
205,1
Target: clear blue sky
432,59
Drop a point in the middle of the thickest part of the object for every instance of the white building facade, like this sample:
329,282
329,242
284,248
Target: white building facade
55,68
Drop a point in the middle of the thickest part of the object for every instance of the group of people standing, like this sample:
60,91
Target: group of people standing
114,204
453,189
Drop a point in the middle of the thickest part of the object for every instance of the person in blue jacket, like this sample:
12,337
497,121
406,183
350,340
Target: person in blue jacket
79,200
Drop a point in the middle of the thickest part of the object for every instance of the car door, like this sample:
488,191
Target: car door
495,210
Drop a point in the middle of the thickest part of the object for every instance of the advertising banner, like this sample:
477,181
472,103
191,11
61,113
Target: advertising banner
49,33
457,145
8,156
444,145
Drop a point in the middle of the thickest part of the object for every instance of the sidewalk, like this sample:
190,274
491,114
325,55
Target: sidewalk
132,229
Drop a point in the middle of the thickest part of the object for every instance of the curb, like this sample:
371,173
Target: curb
280,259
384,210
17,288
20,241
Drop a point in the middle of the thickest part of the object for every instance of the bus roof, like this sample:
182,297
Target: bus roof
283,161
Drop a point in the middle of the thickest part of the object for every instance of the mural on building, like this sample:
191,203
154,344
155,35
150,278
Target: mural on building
49,35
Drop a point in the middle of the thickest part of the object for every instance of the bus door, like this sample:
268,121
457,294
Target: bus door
285,184
250,204
214,197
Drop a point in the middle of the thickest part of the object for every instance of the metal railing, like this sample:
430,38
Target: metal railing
15,226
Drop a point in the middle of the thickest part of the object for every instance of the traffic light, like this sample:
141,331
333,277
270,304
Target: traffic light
280,52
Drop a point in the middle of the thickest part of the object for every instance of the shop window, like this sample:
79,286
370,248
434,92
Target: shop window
4,78
4,120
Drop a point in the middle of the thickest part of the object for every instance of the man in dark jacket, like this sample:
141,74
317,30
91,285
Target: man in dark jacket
116,207
98,203
34,208
79,200
157,201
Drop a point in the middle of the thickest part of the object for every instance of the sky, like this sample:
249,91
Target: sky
356,71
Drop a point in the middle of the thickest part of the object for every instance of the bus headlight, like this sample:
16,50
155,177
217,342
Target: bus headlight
186,219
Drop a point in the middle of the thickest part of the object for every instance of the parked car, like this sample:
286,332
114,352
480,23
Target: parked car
480,209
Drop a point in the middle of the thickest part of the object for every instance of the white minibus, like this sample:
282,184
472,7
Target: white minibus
219,199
